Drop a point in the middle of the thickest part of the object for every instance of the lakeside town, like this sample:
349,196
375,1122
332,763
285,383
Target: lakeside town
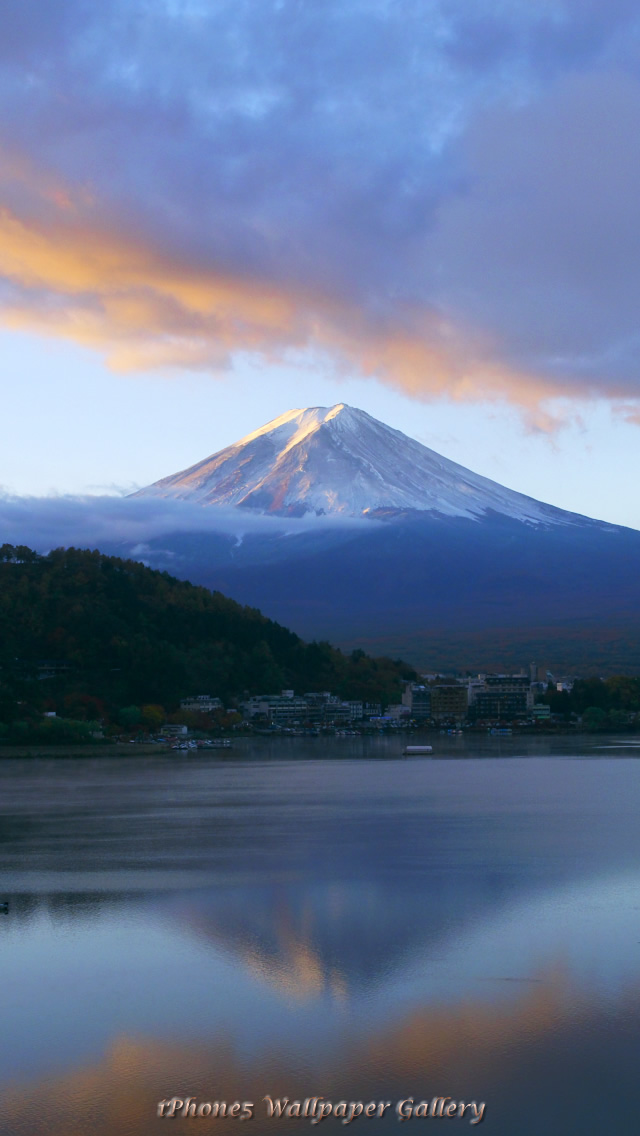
141,656
530,700
533,700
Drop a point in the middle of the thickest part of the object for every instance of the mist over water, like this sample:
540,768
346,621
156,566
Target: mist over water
323,920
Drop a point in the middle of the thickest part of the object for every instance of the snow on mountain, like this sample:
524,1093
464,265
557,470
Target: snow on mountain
340,460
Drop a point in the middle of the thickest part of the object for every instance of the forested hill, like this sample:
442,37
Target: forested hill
77,623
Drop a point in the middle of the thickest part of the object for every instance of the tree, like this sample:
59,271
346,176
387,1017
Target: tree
595,719
153,716
130,717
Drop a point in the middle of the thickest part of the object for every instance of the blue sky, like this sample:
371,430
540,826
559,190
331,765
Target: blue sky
213,212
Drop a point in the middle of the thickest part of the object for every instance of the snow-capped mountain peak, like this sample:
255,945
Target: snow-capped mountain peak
340,460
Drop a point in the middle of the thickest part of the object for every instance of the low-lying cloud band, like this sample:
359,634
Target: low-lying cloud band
44,523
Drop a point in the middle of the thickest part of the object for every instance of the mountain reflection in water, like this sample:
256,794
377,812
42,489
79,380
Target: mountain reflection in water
360,930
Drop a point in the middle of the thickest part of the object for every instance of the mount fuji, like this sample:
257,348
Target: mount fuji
340,460
348,530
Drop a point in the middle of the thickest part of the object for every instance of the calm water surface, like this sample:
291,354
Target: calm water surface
313,919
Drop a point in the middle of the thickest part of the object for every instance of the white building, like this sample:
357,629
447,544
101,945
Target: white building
201,704
281,709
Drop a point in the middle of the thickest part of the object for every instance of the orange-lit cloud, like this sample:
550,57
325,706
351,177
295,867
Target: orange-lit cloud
453,214
628,411
75,273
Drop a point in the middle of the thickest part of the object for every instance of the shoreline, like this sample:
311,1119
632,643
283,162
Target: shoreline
239,745
108,749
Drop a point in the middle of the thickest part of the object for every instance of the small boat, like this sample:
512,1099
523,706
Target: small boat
415,751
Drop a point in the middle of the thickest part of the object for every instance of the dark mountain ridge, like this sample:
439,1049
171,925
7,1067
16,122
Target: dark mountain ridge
115,630
441,592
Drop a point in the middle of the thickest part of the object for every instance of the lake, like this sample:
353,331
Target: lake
323,919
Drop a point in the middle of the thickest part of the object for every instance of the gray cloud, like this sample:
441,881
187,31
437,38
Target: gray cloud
422,163
543,249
